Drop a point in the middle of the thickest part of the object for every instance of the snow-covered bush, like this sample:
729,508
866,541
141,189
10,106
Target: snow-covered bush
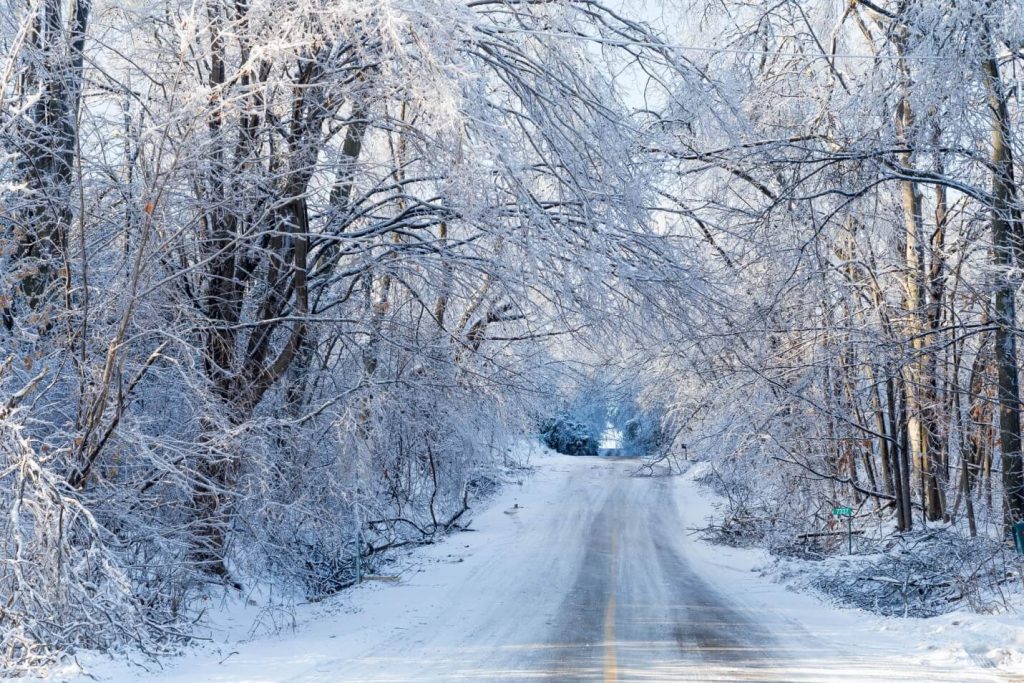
569,436
64,576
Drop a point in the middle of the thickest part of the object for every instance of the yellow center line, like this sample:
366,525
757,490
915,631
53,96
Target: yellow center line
611,672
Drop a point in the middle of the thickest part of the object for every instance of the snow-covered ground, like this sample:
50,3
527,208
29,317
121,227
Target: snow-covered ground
525,595
958,641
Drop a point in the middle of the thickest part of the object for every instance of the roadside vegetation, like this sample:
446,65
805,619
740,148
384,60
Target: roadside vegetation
280,283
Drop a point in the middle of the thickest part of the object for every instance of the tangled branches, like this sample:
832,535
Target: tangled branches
56,561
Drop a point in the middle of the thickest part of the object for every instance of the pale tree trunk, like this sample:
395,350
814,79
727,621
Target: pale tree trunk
919,373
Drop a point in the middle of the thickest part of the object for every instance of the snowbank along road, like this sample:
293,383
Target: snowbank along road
588,573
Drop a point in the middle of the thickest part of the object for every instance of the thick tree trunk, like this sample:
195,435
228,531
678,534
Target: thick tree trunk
50,147
1005,251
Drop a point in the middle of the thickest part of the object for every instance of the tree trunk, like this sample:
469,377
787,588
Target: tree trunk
921,368
50,147
1005,226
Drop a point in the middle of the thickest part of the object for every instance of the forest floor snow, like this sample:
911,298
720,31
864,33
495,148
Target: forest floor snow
959,639
453,587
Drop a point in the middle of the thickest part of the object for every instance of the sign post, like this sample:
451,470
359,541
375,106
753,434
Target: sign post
848,513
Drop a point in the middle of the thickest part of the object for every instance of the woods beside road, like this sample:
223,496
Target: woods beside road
282,285
586,571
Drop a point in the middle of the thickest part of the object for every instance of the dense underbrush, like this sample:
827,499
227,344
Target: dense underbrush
920,573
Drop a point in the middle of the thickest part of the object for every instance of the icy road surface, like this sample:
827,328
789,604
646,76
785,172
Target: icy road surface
582,573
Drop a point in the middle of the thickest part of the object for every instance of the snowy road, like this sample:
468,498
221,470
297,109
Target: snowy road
593,587
636,609
582,573
593,583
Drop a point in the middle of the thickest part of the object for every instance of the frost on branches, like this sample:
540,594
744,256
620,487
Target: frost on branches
279,284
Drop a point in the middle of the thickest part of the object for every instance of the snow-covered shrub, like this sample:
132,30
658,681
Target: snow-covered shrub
924,574
62,574
643,432
569,436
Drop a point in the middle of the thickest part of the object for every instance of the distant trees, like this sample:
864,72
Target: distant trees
603,411
568,436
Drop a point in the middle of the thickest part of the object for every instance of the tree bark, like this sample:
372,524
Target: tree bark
1005,225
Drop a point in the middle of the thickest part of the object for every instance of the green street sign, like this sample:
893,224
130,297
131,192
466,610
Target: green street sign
848,513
